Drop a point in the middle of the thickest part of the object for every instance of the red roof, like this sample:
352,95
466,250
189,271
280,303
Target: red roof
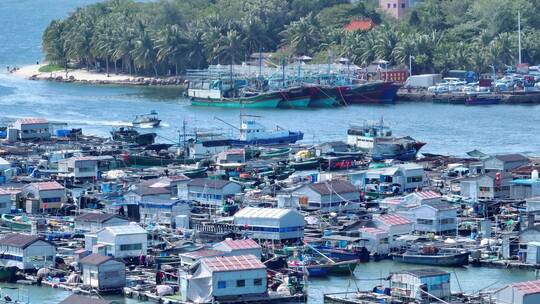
428,194
233,263
393,219
32,121
529,287
242,244
202,253
44,186
360,25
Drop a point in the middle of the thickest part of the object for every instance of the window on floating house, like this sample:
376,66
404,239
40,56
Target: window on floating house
240,283
395,5
257,282
221,284
402,5
388,5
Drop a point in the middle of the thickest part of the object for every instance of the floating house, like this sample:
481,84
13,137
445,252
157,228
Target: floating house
519,293
273,224
80,168
396,226
103,273
525,188
419,284
418,198
402,178
231,247
26,252
212,192
48,195
433,218
118,241
225,277
328,196
163,211
491,185
504,163
94,221
30,129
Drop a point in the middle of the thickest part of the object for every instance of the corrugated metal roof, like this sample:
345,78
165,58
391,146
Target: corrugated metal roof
32,121
334,186
427,194
253,212
393,219
44,186
241,244
19,240
529,287
95,259
233,263
126,229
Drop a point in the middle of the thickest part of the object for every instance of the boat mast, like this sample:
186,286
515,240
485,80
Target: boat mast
519,36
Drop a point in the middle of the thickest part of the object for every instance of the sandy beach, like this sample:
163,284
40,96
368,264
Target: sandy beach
81,75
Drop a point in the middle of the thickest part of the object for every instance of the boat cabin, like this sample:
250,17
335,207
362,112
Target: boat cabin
251,130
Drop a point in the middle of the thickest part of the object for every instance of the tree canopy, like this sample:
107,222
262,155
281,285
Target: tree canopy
169,36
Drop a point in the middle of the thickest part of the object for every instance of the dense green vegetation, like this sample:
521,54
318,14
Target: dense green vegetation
49,68
170,36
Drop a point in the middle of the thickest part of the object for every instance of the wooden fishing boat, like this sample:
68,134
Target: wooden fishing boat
275,153
16,222
307,164
434,257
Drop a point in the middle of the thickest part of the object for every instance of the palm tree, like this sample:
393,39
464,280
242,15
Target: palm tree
303,35
170,43
386,41
502,49
144,52
253,34
229,47
54,43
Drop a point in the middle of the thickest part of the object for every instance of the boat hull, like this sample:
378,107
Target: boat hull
269,100
368,93
323,97
454,260
295,98
292,138
147,125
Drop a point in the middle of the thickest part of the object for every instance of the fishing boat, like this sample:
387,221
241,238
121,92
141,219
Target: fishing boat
305,164
434,256
404,149
377,139
482,98
220,93
130,135
150,120
16,222
373,92
295,97
195,172
323,97
280,152
252,133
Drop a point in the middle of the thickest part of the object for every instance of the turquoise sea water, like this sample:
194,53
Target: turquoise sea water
447,129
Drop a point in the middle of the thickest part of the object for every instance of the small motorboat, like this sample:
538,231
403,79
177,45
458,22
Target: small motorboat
150,120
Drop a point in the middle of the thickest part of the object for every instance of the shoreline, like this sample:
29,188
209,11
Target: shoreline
31,72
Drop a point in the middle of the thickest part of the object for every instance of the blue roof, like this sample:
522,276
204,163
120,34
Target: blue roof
526,181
